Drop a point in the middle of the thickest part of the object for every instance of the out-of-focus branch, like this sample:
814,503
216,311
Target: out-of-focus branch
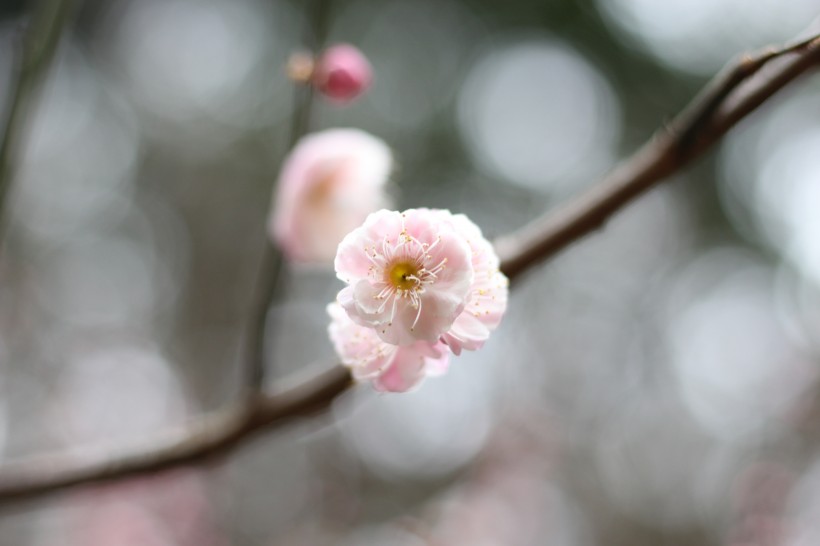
33,59
734,93
726,100
272,266
201,440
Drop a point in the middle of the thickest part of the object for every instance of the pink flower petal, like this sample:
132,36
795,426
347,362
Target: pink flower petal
411,365
406,371
436,367
467,332
358,347
352,262
488,294
392,368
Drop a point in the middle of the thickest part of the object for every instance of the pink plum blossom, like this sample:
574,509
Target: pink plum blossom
392,368
328,185
420,283
409,275
342,73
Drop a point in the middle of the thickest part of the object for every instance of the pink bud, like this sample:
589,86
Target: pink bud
342,73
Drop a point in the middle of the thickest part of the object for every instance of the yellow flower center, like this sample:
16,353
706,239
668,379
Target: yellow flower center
404,275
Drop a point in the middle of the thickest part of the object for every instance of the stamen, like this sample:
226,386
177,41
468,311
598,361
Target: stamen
385,295
393,312
437,241
418,313
385,291
386,250
402,265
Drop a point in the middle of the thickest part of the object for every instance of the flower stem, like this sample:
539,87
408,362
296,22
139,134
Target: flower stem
272,271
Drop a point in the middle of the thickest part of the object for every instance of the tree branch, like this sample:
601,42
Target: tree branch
272,266
734,93
201,440
731,96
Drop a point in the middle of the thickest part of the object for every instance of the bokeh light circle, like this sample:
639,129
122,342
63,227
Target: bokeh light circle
536,113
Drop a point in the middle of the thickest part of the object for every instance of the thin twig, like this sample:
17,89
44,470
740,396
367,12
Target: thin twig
34,57
272,266
666,153
267,279
703,107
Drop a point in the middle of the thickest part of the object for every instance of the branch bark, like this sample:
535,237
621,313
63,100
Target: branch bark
727,99
272,267
202,440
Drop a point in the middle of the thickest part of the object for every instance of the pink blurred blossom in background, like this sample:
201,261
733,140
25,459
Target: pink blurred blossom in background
167,509
328,185
342,73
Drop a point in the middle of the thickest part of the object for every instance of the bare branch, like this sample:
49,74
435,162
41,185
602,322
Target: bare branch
207,437
734,93
731,96
272,266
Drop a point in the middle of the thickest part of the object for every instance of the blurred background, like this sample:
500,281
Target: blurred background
655,384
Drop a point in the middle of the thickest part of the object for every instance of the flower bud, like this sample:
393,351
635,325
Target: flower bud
342,73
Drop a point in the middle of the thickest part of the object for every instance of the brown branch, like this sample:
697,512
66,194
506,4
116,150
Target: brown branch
726,100
272,266
201,440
